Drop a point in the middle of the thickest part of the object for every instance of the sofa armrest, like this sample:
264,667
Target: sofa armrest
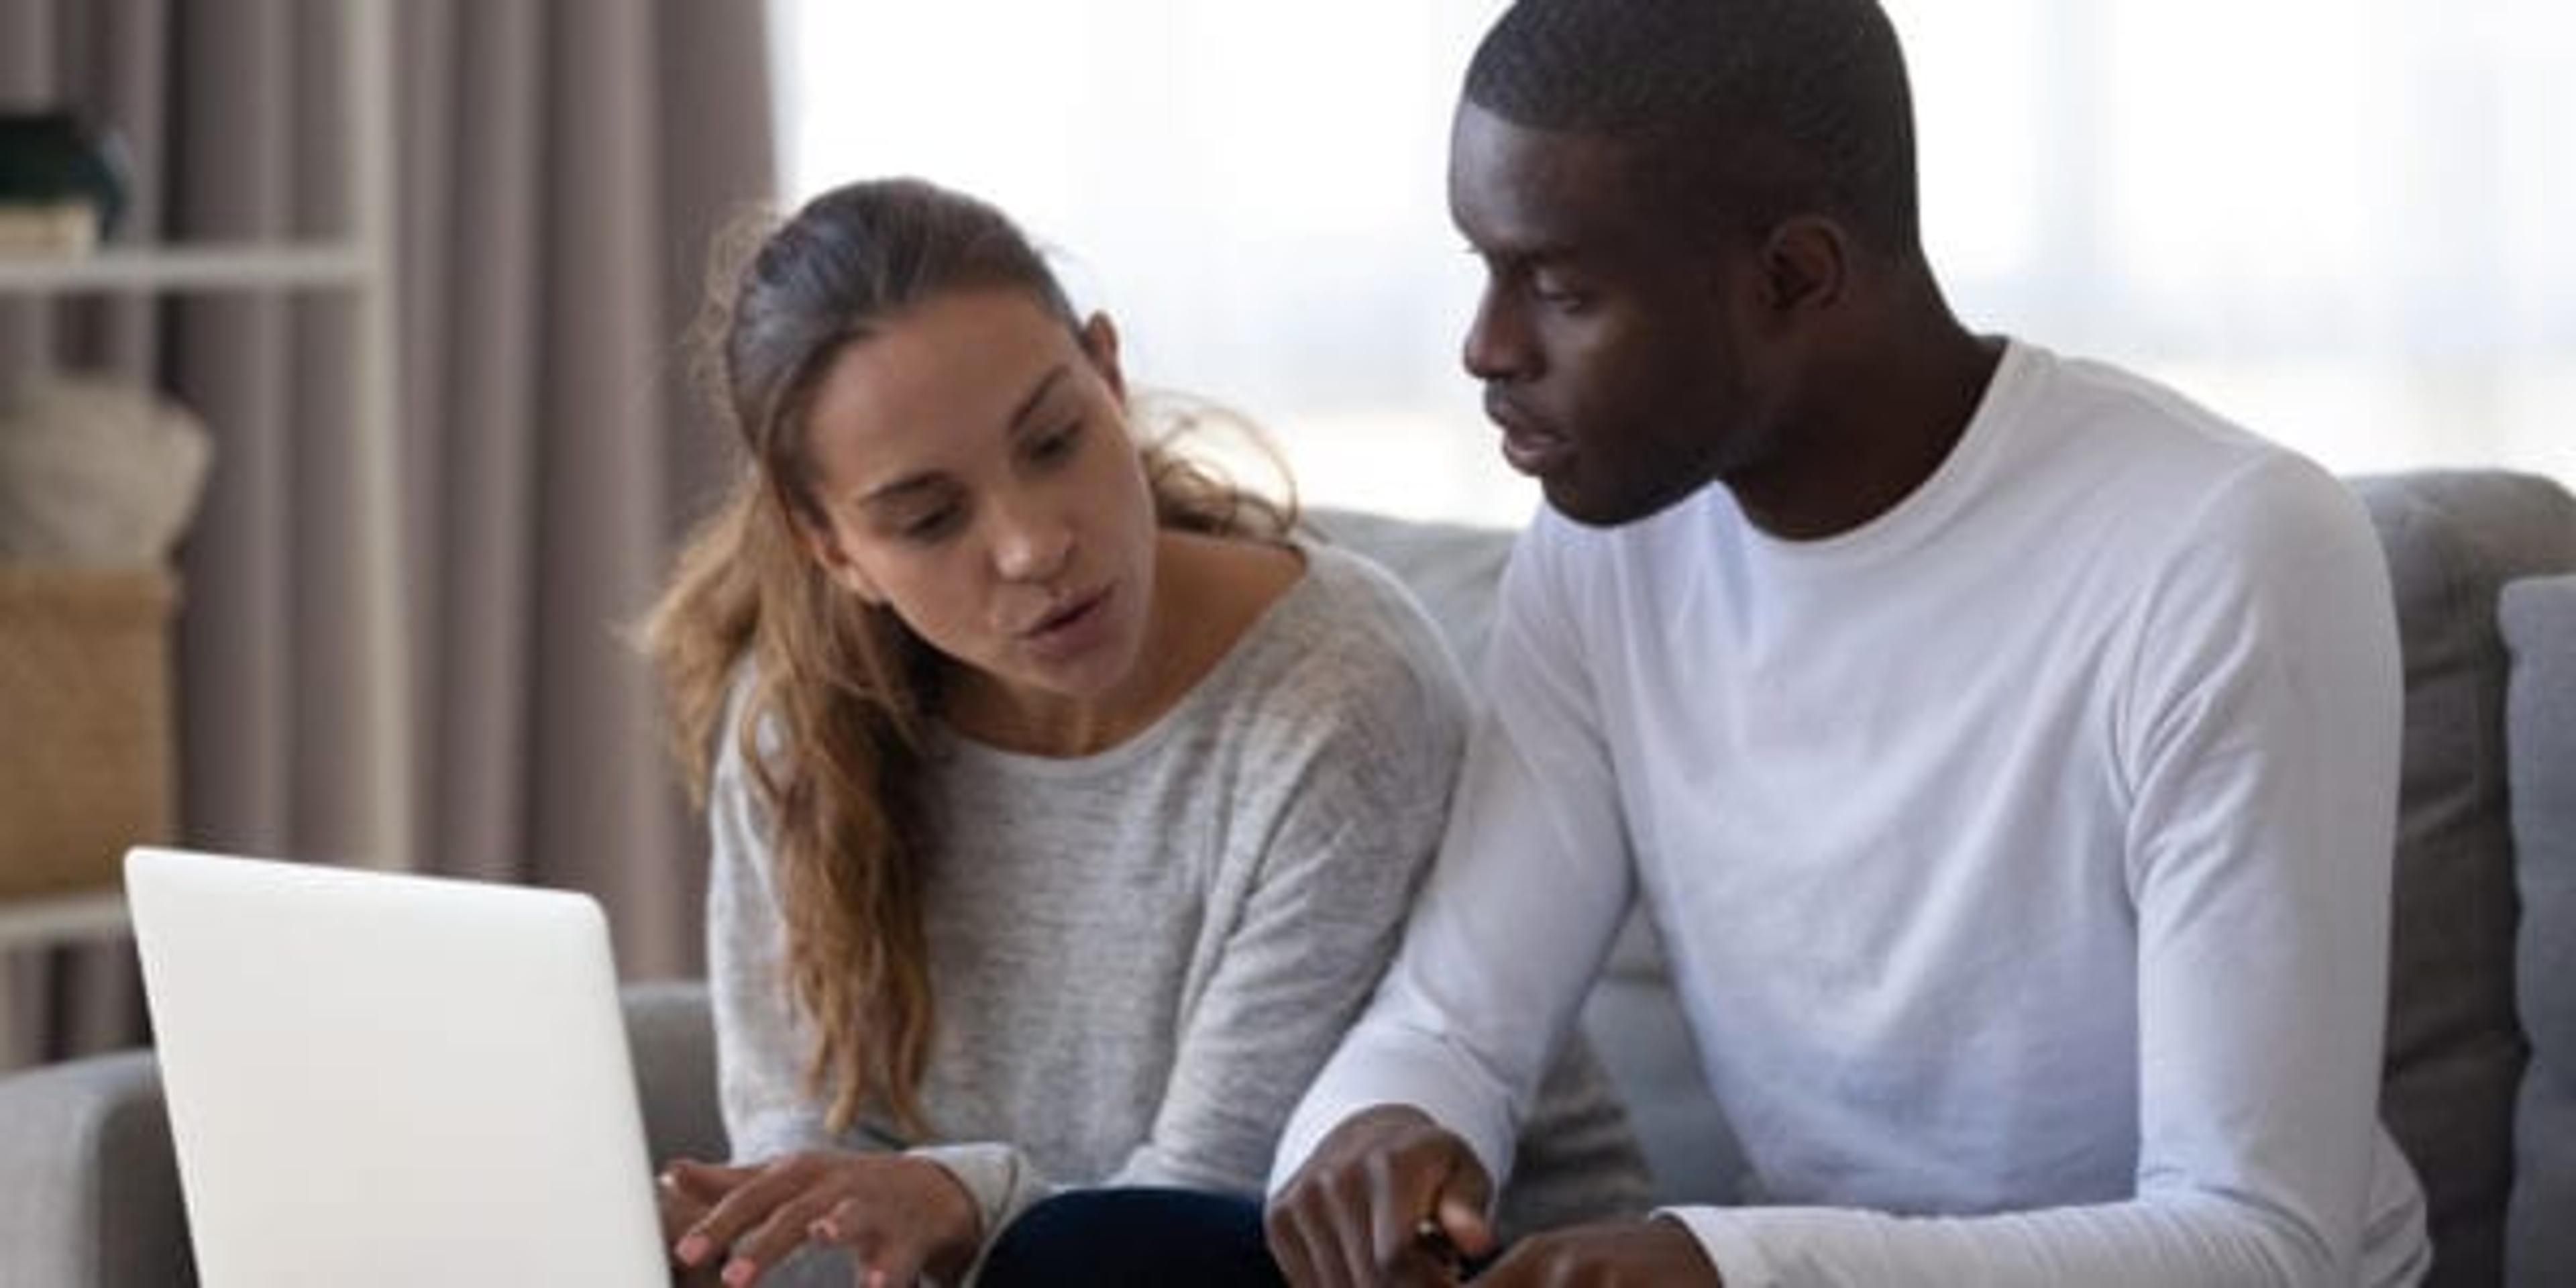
673,1037
2539,619
89,1192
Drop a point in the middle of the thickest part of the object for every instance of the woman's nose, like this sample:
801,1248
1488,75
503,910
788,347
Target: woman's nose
1031,547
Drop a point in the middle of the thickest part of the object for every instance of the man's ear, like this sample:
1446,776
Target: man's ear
824,547
1100,344
1806,264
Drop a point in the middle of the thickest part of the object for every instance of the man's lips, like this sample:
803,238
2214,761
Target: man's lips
1530,446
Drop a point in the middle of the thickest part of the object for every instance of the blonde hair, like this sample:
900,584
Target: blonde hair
840,692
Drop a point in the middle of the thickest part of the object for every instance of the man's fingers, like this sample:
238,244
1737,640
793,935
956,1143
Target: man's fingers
1288,1243
1393,1215
1318,1256
1463,1223
1390,1197
1346,1229
1419,1268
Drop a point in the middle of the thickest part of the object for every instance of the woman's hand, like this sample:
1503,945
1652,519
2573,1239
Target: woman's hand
686,1191
899,1216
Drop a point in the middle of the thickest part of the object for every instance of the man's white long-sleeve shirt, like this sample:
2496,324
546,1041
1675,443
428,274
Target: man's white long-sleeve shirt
2022,857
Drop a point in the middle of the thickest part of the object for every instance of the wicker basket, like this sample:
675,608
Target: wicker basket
85,746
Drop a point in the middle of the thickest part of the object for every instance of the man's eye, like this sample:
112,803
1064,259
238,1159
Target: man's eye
1558,296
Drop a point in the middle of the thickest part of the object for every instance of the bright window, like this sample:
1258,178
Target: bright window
2342,222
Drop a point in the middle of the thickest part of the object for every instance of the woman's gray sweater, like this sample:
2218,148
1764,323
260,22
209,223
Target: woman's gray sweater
1140,958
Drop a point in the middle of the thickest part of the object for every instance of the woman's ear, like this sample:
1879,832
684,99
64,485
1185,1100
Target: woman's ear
1100,344
824,547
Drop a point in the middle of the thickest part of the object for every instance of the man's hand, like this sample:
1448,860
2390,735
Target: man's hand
1389,1197
1660,1253
900,1217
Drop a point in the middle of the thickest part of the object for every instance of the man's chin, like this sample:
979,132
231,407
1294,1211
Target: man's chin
1596,507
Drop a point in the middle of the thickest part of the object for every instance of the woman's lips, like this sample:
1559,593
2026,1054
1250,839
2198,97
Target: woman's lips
1072,628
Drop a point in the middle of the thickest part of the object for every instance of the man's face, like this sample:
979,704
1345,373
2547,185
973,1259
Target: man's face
1613,349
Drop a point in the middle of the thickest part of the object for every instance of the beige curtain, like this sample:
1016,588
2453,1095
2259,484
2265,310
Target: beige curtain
561,167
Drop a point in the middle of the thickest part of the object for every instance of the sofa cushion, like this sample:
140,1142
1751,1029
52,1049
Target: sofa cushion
2455,1051
2539,619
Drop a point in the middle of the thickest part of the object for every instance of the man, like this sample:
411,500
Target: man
2005,747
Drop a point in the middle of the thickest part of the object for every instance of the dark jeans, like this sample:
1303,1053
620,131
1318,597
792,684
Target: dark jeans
1132,1237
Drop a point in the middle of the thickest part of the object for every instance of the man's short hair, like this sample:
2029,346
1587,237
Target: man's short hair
1754,110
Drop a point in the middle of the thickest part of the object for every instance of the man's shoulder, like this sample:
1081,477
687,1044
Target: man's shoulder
2154,432
2156,463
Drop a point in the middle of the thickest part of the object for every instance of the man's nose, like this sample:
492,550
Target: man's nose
1499,348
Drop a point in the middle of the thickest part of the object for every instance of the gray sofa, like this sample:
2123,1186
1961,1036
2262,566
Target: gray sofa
2480,1077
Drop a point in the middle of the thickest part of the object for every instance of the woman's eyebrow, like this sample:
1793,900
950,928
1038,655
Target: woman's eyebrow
910,483
1037,394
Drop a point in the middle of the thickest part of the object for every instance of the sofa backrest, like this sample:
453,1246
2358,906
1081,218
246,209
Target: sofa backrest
2456,1052
2455,1046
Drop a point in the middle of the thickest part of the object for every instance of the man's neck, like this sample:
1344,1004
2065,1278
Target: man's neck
1872,435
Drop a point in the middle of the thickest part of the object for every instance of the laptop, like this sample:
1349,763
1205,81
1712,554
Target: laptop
392,1080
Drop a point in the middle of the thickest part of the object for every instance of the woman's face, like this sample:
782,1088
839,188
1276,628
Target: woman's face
974,466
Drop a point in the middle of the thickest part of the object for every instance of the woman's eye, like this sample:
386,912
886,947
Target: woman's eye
1056,446
929,526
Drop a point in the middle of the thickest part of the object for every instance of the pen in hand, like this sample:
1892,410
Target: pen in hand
1434,1240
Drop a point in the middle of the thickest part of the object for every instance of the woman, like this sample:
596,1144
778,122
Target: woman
1064,808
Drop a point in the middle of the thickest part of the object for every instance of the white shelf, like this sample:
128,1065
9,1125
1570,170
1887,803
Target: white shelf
52,919
207,267
362,264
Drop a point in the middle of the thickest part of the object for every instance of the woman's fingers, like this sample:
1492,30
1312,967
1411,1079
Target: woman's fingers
704,1182
744,1208
892,1213
887,1253
678,1210
774,1240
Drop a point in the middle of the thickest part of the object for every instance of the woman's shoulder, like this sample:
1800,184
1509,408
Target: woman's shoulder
1372,608
1349,640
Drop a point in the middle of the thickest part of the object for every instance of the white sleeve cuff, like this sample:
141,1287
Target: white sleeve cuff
1382,1067
998,1176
